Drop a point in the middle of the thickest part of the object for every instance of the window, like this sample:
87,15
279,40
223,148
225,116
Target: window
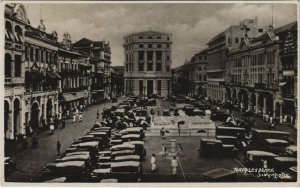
200,77
149,66
18,34
236,40
149,55
168,68
260,30
42,56
7,65
31,54
158,55
26,52
37,54
127,58
158,37
168,57
141,67
159,87
141,55
149,37
158,45
140,37
8,31
141,46
200,68
141,87
18,63
149,45
168,38
158,66
204,77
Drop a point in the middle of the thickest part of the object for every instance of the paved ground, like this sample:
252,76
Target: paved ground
30,161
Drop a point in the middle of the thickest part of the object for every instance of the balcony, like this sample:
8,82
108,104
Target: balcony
14,80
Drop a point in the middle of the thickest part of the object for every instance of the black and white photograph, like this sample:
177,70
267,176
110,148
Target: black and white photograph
150,92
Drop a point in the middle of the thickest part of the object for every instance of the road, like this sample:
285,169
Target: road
30,162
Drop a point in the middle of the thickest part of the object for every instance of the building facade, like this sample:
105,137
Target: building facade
218,49
117,81
15,23
260,74
148,63
74,70
197,73
99,56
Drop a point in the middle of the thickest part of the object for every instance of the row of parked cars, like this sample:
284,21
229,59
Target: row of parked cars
264,147
102,155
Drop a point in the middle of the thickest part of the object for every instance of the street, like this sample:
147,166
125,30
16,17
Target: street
30,162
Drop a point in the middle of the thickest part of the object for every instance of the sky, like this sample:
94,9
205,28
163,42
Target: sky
192,24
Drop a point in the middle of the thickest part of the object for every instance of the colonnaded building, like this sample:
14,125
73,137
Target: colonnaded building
148,63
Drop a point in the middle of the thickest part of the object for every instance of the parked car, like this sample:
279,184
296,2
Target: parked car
139,148
128,171
259,136
131,137
254,158
276,146
9,165
291,150
230,131
56,180
282,164
76,169
127,158
219,116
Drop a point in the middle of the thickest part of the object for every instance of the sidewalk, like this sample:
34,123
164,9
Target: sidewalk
30,162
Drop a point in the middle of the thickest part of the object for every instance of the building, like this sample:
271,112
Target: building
14,117
41,78
148,63
197,73
74,70
261,73
218,49
117,80
180,79
99,56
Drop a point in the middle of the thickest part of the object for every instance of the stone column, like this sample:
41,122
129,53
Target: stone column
154,61
265,105
257,102
250,105
145,61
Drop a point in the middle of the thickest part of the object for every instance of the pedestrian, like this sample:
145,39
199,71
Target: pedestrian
180,149
153,163
158,111
63,124
80,117
162,133
98,114
174,165
58,145
74,118
51,129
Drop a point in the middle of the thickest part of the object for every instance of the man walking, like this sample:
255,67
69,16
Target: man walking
98,114
153,163
174,165
58,145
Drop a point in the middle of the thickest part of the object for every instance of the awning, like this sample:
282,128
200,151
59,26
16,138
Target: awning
34,75
53,75
282,84
74,96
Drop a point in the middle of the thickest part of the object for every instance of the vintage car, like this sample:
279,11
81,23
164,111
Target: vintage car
120,112
91,138
127,158
209,147
114,99
102,129
78,153
227,139
113,142
139,148
101,173
122,153
291,151
68,168
100,134
198,112
219,116
124,146
104,159
9,165
104,153
282,164
103,164
219,175
133,130
229,131
276,146
254,158
293,172
166,113
259,136
139,112
84,157
131,137
89,146
127,171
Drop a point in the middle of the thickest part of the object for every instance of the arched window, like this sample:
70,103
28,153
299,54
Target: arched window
8,31
7,65
18,34
31,54
37,54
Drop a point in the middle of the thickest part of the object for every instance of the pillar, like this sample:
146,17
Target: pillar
265,105
257,102
145,61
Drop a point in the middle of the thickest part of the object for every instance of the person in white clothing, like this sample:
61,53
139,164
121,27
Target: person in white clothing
74,118
174,165
80,117
153,163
